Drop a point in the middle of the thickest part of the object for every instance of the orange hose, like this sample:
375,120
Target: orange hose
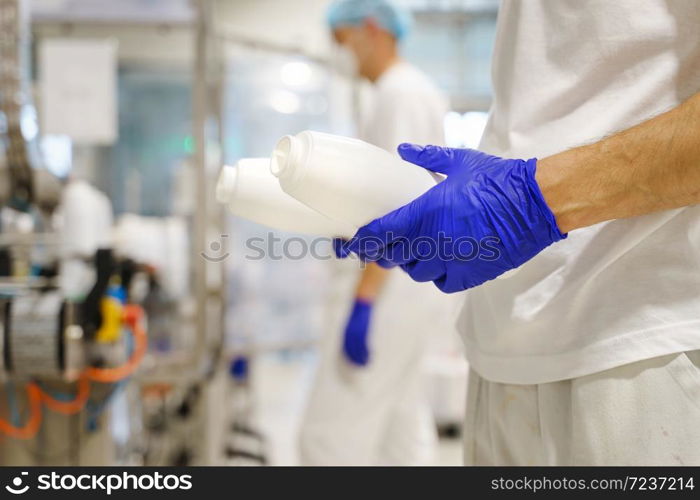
132,314
31,427
73,406
36,396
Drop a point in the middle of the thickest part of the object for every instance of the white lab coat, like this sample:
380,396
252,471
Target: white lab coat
379,414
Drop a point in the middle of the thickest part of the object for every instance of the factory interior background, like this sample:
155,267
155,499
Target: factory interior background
133,106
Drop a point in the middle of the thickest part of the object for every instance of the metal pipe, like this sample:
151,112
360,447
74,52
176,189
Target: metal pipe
200,105
272,46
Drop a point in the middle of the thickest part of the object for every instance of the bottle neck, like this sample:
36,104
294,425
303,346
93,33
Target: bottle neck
288,157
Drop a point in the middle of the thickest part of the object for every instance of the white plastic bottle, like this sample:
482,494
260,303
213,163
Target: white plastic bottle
251,191
346,179
87,227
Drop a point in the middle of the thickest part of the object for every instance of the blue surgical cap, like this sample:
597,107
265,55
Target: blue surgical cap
395,20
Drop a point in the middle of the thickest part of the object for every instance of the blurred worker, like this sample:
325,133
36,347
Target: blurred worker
590,352
368,404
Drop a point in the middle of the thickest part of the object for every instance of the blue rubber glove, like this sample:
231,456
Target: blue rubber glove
487,217
356,332
339,248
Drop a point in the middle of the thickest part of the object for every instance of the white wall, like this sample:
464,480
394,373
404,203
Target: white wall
161,11
296,24
299,24
146,43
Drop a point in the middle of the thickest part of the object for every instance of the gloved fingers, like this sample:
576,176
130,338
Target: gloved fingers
398,253
361,357
403,251
356,353
339,248
370,241
367,243
386,264
425,270
452,282
441,283
433,158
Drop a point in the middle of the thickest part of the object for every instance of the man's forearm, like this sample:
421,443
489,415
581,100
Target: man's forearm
651,167
371,282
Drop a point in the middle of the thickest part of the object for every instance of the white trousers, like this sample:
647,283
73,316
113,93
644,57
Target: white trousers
378,414
644,413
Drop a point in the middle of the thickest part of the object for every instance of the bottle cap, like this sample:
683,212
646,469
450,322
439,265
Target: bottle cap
286,155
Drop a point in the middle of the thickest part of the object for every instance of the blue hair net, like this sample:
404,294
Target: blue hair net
395,20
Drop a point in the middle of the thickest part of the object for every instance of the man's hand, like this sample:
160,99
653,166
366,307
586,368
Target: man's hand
524,206
487,217
355,341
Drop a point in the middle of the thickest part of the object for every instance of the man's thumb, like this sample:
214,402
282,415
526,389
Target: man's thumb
433,158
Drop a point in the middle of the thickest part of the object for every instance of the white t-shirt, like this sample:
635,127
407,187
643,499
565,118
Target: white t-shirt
567,73
407,107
